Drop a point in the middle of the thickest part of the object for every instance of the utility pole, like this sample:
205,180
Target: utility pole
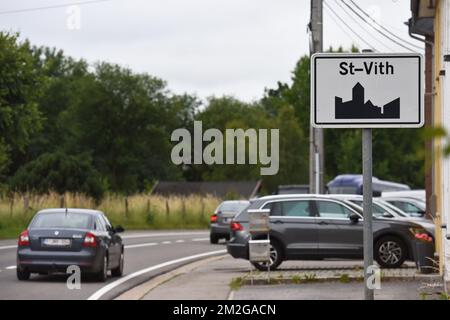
367,209
316,154
367,164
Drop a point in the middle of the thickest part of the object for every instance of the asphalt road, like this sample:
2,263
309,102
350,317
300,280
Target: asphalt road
147,254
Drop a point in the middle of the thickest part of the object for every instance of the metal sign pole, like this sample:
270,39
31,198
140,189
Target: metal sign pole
367,209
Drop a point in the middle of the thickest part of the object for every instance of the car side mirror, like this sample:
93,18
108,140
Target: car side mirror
354,217
118,229
387,215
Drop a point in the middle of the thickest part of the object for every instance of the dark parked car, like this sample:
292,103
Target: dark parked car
220,220
314,227
59,238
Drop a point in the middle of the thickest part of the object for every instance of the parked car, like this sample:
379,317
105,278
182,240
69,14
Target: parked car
220,219
416,194
411,206
353,184
59,238
383,209
318,226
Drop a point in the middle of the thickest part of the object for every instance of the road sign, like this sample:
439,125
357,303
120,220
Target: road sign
367,90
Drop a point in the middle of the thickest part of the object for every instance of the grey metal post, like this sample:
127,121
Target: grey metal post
367,208
316,141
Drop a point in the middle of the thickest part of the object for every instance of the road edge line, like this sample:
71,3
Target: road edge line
141,290
102,291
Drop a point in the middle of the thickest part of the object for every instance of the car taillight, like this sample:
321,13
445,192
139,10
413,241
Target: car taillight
24,239
213,218
236,226
423,237
90,240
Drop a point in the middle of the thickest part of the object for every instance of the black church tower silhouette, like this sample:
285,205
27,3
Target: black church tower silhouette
358,109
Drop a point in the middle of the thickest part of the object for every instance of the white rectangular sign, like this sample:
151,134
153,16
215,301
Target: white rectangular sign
367,90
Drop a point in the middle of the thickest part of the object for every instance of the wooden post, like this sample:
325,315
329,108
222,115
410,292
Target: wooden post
11,204
183,209
202,213
26,203
167,210
62,201
126,206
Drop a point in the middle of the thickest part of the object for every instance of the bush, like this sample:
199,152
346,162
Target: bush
61,173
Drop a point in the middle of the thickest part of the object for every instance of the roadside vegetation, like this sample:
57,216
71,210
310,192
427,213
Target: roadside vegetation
139,211
103,132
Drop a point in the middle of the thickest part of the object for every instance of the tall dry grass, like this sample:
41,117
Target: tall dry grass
138,211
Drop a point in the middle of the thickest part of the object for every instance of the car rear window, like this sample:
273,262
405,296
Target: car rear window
62,220
233,206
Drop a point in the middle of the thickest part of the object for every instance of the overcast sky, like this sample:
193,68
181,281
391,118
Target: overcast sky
207,47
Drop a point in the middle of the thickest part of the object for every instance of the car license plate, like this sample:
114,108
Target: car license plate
57,242
226,220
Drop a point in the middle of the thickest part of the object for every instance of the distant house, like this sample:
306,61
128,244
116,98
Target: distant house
220,189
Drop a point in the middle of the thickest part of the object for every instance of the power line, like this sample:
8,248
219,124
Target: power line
384,28
362,27
80,3
376,29
344,23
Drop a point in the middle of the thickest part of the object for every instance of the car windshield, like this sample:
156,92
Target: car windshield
233,206
62,220
355,207
393,208
377,211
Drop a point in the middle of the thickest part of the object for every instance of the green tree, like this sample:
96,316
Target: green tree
20,87
293,168
124,120
60,173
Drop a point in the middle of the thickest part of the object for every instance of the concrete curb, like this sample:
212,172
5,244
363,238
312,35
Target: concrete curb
343,276
278,281
138,292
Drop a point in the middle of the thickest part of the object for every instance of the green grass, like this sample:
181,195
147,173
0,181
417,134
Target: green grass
141,212
344,278
236,283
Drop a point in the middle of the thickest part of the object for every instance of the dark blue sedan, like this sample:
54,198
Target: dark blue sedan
59,238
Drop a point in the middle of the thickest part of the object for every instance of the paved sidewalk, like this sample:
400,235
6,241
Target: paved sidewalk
222,278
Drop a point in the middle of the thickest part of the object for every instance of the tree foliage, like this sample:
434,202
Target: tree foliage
66,125
60,173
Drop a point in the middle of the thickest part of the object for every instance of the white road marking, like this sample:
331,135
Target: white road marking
131,246
148,235
11,267
99,293
8,247
179,241
166,242
200,239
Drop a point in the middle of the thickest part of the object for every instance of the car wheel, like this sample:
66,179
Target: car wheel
102,275
390,252
117,272
214,239
276,258
22,273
